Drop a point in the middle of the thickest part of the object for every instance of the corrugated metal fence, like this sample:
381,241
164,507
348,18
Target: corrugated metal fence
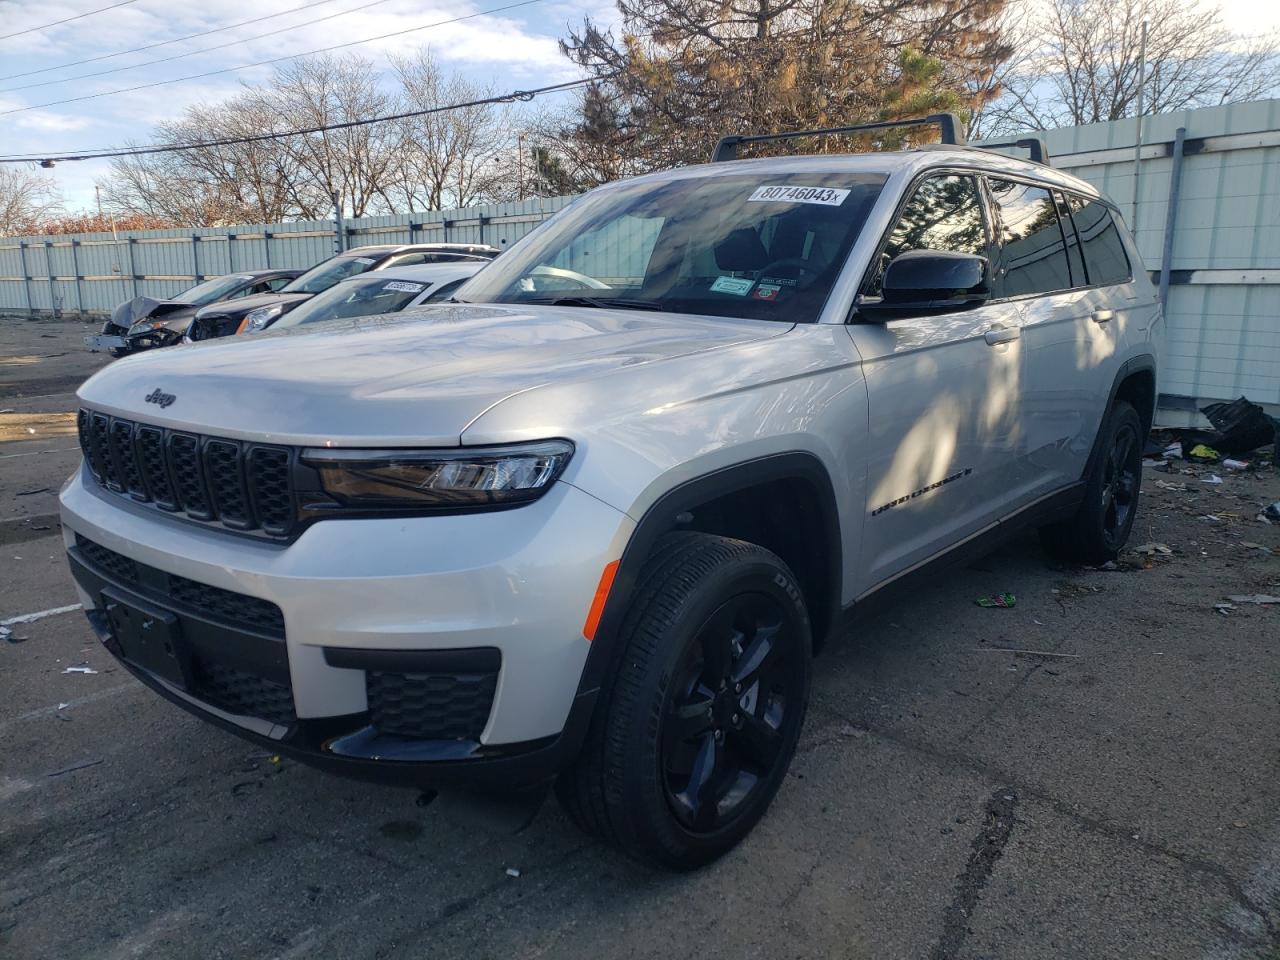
1223,266
1223,307
92,272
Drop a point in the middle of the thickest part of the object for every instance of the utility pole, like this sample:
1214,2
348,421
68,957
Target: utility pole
1137,146
339,227
520,167
115,239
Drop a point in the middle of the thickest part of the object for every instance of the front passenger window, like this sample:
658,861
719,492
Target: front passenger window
943,214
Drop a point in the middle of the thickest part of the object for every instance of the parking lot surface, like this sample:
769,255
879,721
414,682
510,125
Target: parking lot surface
1092,773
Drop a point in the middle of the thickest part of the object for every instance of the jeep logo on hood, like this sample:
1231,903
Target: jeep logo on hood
157,396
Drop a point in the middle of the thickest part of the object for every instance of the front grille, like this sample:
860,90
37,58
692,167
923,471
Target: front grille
215,480
431,706
238,692
225,607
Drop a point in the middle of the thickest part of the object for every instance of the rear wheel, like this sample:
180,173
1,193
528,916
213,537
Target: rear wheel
1104,518
696,733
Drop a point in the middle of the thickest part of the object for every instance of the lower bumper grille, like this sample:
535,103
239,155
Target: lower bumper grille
431,706
238,692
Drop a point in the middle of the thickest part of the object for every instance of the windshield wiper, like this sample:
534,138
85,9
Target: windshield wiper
582,301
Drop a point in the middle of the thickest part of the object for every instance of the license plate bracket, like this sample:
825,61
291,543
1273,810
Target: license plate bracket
149,637
104,342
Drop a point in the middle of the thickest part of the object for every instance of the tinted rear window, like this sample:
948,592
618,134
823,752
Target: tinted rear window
1104,254
1033,255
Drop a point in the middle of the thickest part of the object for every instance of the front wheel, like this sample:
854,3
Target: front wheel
1104,518
696,733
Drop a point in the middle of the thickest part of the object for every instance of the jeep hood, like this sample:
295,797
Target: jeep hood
414,378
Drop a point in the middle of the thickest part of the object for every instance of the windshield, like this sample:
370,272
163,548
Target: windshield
765,246
212,290
328,272
362,297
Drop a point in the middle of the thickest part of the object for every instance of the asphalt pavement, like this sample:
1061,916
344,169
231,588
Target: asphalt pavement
1093,773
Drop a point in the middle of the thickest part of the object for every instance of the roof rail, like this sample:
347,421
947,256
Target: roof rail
1034,146
948,124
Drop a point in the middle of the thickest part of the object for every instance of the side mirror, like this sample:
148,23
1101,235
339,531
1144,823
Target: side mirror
932,280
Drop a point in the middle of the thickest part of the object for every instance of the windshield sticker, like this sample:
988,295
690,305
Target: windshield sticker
778,281
738,286
365,260
405,287
766,291
826,196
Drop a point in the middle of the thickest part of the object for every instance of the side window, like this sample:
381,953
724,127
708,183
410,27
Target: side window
1078,277
944,213
1033,254
278,282
1100,240
444,291
245,292
409,260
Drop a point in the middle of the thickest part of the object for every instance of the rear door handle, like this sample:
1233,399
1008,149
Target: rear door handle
1002,335
1102,316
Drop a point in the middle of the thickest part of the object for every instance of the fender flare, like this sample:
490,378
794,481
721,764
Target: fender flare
662,517
1142,363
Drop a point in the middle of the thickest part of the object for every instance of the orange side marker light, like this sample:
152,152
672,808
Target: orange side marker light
598,601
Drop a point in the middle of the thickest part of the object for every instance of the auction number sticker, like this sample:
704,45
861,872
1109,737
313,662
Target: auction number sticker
404,286
826,196
738,286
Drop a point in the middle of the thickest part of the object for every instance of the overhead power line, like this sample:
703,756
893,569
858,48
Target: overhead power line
261,63
78,16
192,53
164,43
105,153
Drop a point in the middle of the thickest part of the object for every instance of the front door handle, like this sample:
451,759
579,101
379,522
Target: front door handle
1002,335
1102,316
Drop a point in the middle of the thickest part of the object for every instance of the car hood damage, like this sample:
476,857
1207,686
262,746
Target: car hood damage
415,378
173,313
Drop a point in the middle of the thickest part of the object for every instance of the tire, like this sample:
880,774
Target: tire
1105,516
677,768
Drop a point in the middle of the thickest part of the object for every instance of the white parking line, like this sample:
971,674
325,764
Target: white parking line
50,711
39,615
36,453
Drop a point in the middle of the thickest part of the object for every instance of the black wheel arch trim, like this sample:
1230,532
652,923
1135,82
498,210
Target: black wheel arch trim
663,517
1143,363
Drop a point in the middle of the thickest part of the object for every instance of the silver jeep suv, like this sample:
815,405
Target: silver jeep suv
590,521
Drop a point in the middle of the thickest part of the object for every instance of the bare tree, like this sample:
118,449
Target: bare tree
27,199
1077,62
353,162
453,158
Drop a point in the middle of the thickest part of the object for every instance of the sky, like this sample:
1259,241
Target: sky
510,50
515,49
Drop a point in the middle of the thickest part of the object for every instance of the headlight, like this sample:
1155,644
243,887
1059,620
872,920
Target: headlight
256,320
440,479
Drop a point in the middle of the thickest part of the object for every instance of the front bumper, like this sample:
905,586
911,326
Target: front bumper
362,604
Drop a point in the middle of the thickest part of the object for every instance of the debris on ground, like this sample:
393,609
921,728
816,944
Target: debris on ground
513,872
1171,486
74,766
1271,512
998,600
1211,478
1242,426
79,670
1224,608
1151,549
1258,598
1235,464
1204,454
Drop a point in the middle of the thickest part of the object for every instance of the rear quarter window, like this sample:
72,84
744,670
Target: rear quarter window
1100,242
1033,251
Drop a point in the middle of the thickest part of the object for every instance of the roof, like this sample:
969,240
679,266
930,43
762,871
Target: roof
888,163
478,248
423,272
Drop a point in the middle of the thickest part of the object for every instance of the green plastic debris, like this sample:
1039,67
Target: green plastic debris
998,600
1203,452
